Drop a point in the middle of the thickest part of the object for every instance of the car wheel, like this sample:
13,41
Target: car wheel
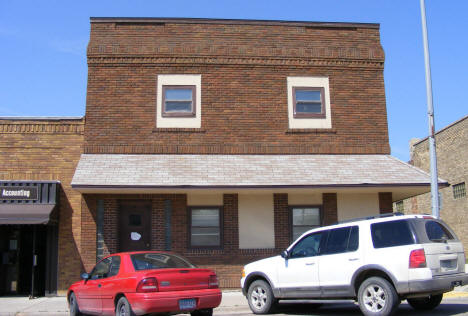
425,303
260,297
202,312
377,296
123,308
74,309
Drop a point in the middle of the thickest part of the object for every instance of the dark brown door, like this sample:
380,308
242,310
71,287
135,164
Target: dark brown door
135,225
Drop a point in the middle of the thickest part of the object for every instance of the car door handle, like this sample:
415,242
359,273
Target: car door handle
99,285
310,263
353,259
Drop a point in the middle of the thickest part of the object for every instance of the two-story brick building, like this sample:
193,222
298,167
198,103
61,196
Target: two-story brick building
222,140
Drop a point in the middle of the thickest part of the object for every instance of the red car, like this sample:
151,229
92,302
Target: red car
145,282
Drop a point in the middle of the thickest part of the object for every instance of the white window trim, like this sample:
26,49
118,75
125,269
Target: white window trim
178,122
312,82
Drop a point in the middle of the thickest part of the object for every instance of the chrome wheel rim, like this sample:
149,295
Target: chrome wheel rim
122,310
72,305
374,298
259,297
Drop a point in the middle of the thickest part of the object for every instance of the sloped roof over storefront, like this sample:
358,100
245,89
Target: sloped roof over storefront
98,172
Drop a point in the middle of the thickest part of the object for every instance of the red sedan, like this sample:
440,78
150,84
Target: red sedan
138,283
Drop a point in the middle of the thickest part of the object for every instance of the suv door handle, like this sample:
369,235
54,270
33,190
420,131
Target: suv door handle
310,263
353,259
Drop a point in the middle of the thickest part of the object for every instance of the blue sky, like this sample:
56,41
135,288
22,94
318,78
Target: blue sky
43,51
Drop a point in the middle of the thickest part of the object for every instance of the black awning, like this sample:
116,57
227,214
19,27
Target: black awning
25,213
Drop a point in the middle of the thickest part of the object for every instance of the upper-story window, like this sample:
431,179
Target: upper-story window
309,102
179,101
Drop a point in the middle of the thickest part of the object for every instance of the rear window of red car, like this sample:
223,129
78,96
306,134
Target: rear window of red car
149,261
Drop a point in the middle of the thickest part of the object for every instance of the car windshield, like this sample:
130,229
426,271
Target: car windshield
148,261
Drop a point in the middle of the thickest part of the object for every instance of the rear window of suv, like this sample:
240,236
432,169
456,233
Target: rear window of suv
391,234
436,232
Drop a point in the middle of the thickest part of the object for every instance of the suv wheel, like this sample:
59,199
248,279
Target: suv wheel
425,303
377,296
260,297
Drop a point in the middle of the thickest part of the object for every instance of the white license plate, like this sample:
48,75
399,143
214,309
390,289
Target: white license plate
187,303
447,265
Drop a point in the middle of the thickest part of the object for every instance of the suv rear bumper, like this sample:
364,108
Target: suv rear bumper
439,284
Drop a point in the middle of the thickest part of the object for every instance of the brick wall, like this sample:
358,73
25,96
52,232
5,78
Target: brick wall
244,93
226,261
385,202
452,164
49,150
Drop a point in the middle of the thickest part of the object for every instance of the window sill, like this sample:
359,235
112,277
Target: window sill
311,131
178,130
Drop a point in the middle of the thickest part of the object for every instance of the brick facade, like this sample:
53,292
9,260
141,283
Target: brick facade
49,150
244,93
452,164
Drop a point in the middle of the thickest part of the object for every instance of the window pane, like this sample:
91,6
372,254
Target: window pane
437,232
115,266
390,234
353,243
299,230
337,240
202,236
101,269
134,220
184,106
309,246
308,95
147,261
306,216
178,94
205,217
302,107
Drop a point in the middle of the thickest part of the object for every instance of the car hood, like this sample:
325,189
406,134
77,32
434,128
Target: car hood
261,263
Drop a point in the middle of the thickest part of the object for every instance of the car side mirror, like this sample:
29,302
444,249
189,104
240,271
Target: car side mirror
285,254
85,276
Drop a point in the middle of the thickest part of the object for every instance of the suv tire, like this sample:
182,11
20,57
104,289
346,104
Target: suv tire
260,297
425,303
377,296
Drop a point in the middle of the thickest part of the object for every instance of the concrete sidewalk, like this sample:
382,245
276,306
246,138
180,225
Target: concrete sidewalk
233,302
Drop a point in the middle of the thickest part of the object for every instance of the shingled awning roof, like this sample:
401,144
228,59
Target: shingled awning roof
96,172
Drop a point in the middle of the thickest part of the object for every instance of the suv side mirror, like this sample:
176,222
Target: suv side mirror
285,254
85,276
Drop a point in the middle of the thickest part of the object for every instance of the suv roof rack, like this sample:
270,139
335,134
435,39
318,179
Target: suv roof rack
370,217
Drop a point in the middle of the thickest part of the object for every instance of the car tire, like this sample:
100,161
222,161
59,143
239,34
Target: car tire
73,305
377,296
425,303
202,312
260,297
123,308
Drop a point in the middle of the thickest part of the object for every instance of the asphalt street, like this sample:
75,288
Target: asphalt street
450,306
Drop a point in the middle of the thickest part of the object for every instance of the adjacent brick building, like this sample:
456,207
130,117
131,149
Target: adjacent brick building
452,164
221,140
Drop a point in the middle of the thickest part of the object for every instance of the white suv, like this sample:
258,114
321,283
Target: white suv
377,261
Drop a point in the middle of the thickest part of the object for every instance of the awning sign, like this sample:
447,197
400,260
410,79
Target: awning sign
18,193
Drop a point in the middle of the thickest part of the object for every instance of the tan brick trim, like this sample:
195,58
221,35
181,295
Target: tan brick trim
42,128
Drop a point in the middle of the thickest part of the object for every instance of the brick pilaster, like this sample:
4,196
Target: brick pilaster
282,220
385,202
231,222
330,208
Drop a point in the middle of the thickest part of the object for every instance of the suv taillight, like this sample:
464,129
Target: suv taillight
147,285
417,259
213,282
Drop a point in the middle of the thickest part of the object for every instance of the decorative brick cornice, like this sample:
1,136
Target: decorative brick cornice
41,128
325,148
249,61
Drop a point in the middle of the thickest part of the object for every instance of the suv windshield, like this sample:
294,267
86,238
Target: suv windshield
148,261
437,232
392,233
